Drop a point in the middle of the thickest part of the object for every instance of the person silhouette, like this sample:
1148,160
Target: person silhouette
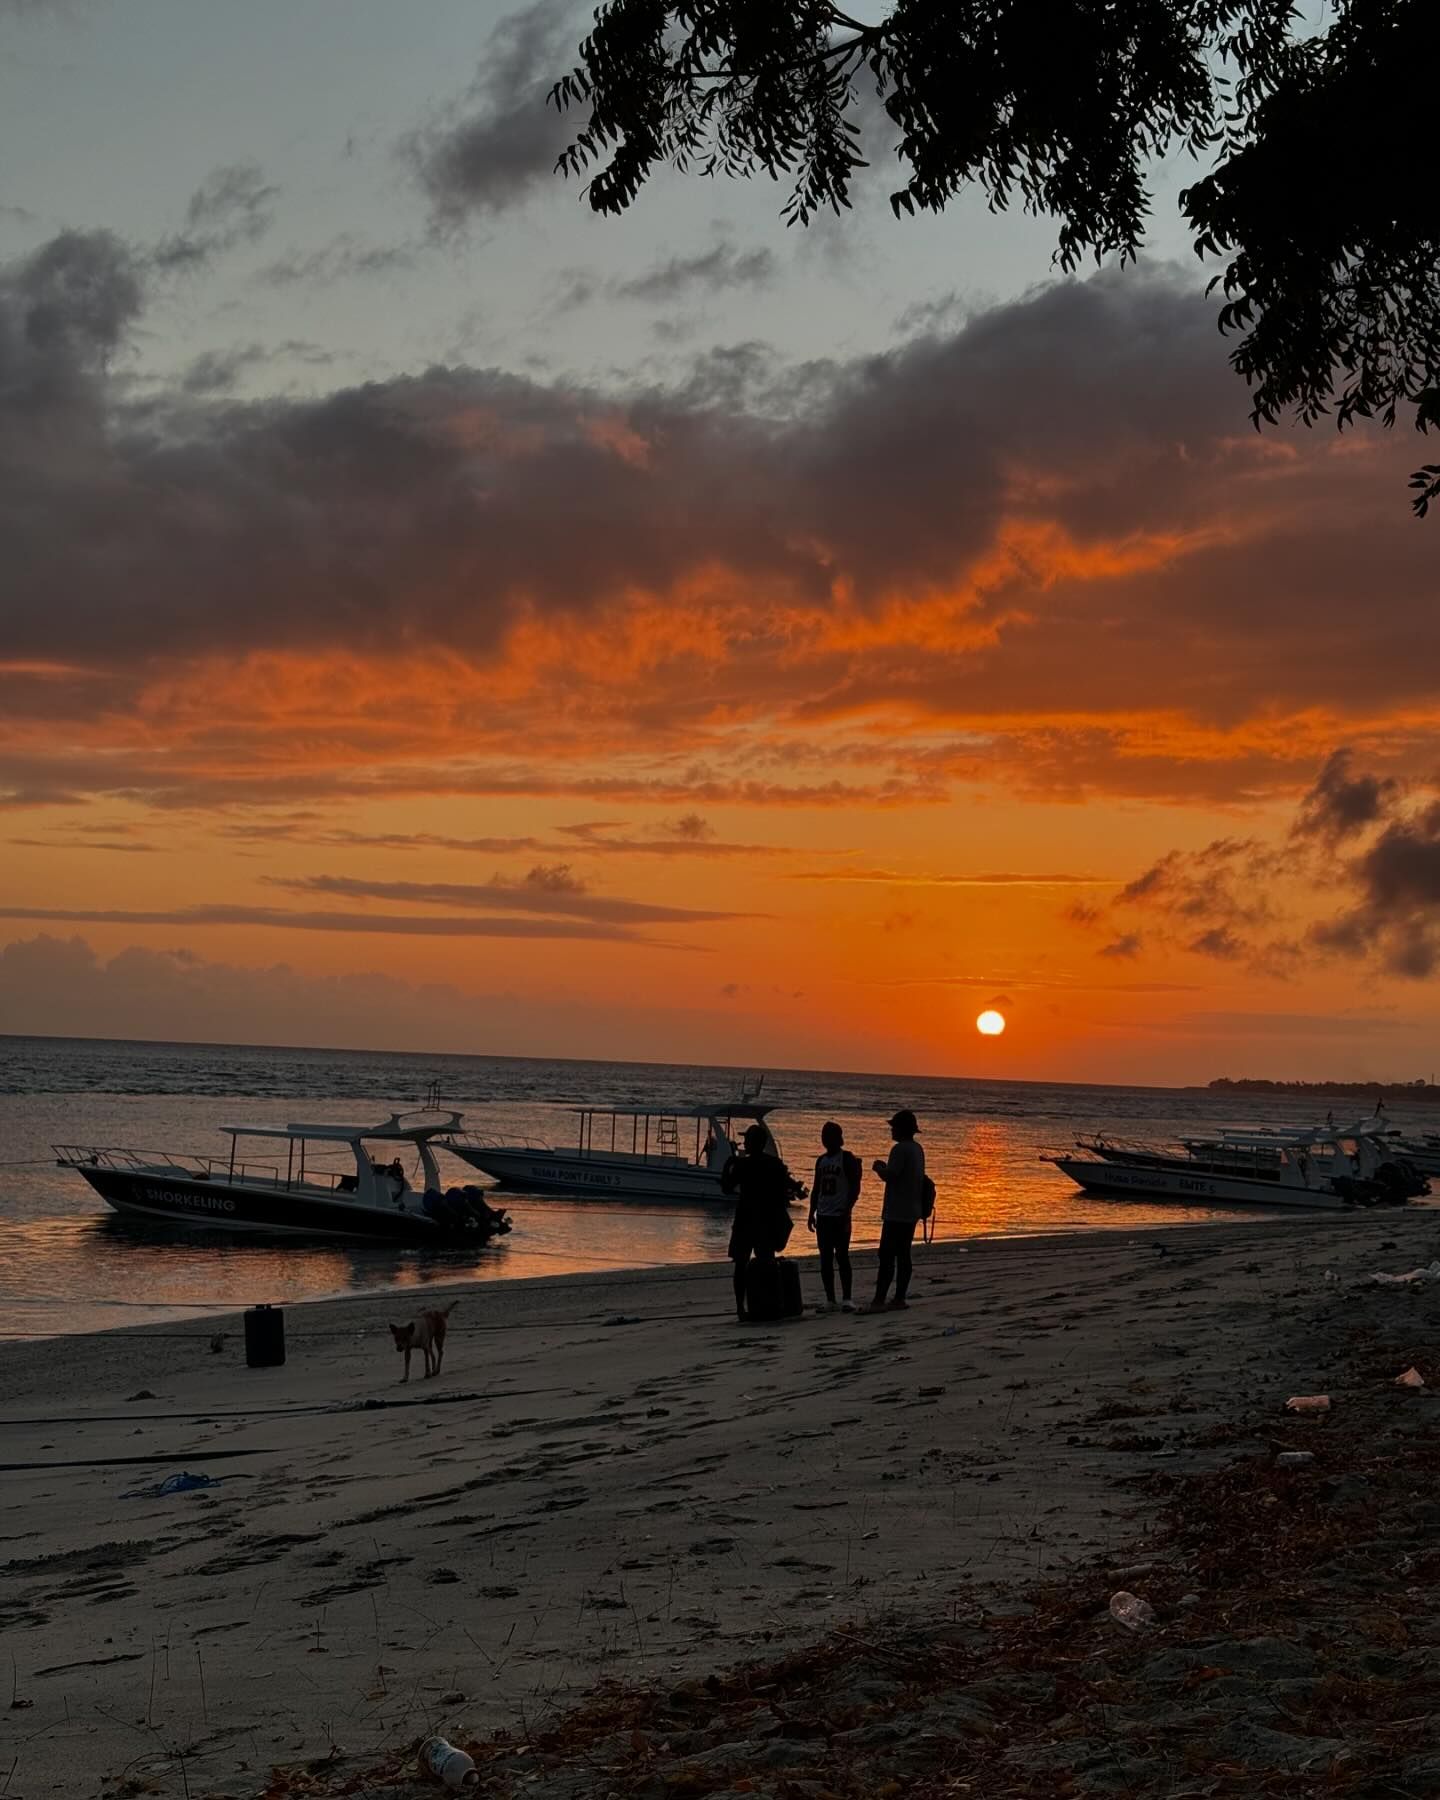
762,1187
833,1194
904,1176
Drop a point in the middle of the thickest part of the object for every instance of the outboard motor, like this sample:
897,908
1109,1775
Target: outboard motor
489,1218
1401,1181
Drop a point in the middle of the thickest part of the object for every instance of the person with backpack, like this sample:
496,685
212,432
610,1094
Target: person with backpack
763,1188
833,1194
909,1198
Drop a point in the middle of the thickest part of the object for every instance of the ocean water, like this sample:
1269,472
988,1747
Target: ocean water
69,1264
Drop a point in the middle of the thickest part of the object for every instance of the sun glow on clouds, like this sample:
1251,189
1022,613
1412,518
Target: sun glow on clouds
829,621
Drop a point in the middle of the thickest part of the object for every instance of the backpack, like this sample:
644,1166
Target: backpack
927,1197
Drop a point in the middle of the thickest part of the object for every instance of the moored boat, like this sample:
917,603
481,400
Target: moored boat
365,1197
674,1156
1327,1167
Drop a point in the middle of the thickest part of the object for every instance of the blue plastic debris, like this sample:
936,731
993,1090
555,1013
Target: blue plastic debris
174,1484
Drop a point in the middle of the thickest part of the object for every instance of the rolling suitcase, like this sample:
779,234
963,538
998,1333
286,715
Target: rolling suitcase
764,1296
772,1289
264,1337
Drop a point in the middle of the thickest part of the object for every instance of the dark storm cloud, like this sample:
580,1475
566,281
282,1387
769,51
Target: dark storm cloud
1341,804
64,312
1386,909
422,510
504,138
1396,917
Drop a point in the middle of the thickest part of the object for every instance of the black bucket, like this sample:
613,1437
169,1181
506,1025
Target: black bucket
264,1337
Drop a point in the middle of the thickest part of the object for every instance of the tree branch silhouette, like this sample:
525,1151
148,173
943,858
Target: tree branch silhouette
1319,196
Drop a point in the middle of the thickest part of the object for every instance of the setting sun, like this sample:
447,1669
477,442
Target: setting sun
990,1024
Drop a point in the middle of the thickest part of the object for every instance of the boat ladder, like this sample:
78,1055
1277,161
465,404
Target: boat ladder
667,1137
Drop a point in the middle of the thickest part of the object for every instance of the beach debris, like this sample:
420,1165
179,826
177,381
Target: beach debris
1131,1611
217,1343
184,1483
1412,1378
1292,1459
1410,1278
621,1319
142,1394
1308,1403
1133,1571
452,1768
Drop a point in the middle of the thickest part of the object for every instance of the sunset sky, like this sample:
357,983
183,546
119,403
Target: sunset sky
432,617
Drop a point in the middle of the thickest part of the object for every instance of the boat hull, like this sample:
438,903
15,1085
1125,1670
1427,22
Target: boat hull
1134,1181
601,1176
227,1206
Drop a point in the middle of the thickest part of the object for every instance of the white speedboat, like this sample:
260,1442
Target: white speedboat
1327,1167
285,1179
623,1153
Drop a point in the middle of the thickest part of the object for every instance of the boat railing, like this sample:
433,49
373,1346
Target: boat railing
115,1156
196,1168
585,1152
491,1141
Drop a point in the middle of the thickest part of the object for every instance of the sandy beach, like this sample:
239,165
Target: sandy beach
609,1479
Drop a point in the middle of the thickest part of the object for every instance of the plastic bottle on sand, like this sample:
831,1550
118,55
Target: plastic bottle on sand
452,1768
1131,1611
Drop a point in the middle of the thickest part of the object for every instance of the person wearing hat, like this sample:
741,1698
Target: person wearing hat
904,1176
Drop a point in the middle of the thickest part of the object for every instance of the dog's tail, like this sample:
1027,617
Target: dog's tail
445,1311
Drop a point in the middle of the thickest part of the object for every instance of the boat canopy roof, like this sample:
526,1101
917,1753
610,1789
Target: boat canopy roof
728,1109
1300,1136
392,1130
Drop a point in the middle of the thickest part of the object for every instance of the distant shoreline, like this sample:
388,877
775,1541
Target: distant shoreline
1407,1090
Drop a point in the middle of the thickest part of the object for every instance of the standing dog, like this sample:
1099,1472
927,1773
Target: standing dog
425,1334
